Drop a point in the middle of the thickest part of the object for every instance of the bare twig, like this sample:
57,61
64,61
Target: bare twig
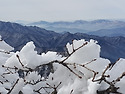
119,78
20,60
6,52
114,63
74,52
103,76
71,91
83,65
13,87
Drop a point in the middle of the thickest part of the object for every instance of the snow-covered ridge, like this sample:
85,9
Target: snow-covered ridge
82,72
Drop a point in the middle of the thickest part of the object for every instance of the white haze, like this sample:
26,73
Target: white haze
55,10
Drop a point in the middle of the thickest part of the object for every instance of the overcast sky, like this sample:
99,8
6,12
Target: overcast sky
61,10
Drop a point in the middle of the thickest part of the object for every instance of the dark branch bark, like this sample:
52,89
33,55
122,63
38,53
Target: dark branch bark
13,87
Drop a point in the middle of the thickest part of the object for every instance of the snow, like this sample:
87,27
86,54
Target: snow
4,46
92,87
2,90
117,69
18,87
27,90
30,58
82,62
116,72
32,77
86,53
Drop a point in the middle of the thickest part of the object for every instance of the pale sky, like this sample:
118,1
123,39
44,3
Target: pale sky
61,10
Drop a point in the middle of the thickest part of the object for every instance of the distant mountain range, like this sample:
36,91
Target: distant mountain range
120,31
17,36
95,27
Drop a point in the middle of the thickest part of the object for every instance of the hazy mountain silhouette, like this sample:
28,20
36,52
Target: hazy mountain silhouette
109,32
95,27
